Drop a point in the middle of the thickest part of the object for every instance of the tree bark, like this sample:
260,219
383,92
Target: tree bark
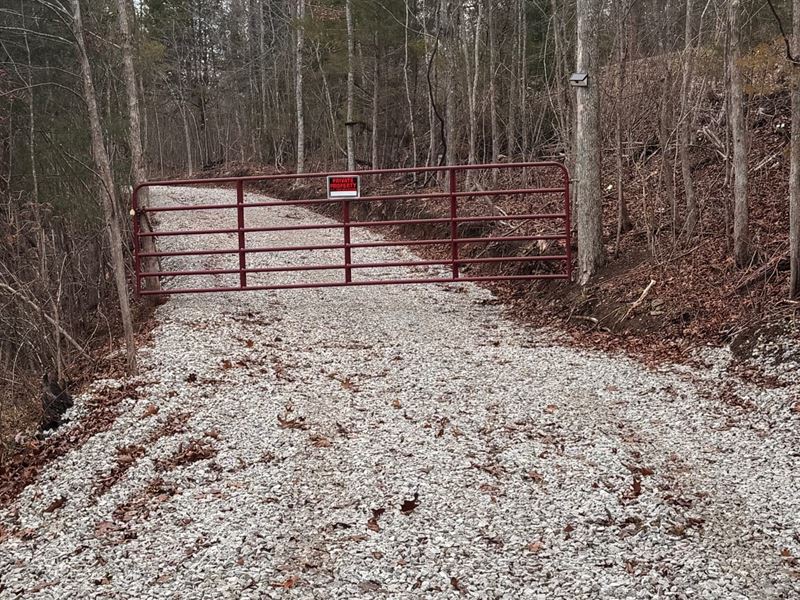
108,194
298,89
375,103
685,125
587,141
138,171
409,101
794,177
350,140
741,226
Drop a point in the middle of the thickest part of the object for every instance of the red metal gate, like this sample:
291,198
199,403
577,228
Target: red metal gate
517,229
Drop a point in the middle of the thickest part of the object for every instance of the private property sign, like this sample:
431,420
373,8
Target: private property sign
344,186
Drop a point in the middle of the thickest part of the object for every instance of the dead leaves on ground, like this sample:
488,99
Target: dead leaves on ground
289,423
193,451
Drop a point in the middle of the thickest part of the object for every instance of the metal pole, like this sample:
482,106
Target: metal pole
240,225
453,222
567,224
348,275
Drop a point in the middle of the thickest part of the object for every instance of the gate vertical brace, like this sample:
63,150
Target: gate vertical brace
137,250
240,226
348,275
568,224
453,222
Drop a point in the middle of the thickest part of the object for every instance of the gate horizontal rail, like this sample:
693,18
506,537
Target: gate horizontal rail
455,242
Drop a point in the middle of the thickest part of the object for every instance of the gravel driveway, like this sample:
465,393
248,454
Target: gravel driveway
406,442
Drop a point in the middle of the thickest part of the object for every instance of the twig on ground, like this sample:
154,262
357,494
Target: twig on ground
638,302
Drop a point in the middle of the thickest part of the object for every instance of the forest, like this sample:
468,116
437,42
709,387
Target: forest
685,149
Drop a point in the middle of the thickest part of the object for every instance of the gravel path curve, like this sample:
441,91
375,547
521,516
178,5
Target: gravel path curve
406,442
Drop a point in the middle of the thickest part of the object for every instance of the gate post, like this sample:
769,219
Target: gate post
240,226
453,222
348,275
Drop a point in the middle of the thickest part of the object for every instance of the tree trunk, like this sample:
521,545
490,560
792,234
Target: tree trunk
741,226
298,89
109,200
685,125
375,101
473,91
138,172
450,53
493,92
32,116
587,145
351,150
411,119
794,177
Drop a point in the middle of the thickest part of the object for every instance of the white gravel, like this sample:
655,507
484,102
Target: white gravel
523,453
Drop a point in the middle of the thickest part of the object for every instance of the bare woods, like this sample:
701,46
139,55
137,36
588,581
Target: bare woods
690,112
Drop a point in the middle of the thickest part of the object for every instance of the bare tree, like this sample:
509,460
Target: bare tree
407,84
351,151
108,193
794,177
589,208
138,171
685,123
298,90
741,226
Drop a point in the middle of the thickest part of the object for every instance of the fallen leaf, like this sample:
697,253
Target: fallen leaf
457,585
369,586
372,523
550,408
150,410
298,423
56,504
535,547
320,441
226,364
287,584
637,486
535,476
249,343
396,403
410,505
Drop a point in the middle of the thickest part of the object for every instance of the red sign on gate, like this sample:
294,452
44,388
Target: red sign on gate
344,186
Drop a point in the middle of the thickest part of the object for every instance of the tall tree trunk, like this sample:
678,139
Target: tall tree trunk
794,177
298,88
685,125
450,53
589,210
741,225
351,150
623,219
375,77
109,200
409,101
493,91
262,69
32,117
473,90
138,172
